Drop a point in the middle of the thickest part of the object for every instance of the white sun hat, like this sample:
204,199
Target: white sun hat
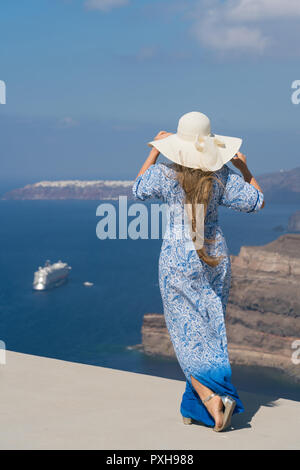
194,145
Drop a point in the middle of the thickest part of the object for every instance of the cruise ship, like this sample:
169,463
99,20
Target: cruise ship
50,275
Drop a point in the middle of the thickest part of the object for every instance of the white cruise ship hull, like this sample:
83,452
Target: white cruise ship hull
51,285
50,276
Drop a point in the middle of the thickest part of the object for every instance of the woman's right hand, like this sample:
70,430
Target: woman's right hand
239,161
162,135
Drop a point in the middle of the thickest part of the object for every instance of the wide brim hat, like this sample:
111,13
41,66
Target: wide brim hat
195,146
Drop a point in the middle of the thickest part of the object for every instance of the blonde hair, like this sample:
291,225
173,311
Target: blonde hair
198,185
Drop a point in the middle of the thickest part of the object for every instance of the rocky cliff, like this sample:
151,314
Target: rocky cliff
294,222
281,186
73,189
263,312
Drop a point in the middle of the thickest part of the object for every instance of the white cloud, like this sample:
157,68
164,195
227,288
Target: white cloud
146,52
256,26
105,5
223,36
67,122
251,10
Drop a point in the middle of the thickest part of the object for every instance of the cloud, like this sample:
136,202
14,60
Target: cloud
67,122
214,33
155,55
253,10
104,5
146,52
259,27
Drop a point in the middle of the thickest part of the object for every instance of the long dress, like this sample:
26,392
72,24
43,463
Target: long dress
195,294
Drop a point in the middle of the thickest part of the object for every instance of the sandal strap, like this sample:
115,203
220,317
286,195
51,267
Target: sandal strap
209,397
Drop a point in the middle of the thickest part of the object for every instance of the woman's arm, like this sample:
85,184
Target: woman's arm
240,162
151,159
153,155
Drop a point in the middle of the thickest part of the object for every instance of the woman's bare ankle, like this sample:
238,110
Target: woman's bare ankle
214,405
201,389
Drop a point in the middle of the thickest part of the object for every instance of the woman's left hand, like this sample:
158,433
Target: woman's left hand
239,160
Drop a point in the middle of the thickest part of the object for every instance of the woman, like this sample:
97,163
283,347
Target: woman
195,279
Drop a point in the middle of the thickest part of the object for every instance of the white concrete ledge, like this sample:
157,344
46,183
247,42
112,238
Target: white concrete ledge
51,404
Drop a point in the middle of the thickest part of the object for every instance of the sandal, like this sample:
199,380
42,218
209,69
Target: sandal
228,404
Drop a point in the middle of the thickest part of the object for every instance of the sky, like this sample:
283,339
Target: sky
90,82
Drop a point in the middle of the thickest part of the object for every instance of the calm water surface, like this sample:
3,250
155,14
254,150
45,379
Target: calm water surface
95,325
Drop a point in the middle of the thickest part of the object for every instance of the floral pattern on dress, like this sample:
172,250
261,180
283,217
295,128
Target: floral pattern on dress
195,294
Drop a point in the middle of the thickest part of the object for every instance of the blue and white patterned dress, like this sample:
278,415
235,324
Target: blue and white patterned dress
195,294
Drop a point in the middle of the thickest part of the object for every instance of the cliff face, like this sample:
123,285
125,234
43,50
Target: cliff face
263,311
294,222
281,186
90,190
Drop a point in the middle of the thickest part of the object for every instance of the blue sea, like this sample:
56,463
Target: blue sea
95,325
